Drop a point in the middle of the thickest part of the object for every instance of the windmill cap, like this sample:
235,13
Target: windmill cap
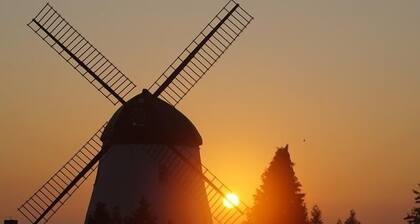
145,119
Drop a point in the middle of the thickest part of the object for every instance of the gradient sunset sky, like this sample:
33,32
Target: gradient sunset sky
344,75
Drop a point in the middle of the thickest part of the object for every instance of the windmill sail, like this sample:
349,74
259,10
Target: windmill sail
81,54
171,86
190,171
201,54
57,190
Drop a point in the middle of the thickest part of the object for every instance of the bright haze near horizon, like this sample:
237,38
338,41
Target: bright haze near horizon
343,75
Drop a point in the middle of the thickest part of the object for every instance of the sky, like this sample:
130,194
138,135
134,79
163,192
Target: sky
343,75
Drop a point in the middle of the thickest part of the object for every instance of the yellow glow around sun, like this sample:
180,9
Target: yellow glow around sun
231,200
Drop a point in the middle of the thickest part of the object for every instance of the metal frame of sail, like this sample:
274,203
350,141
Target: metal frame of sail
55,192
81,54
201,54
180,161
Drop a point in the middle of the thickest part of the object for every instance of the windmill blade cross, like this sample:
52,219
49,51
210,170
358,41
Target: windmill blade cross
81,54
46,201
202,53
171,86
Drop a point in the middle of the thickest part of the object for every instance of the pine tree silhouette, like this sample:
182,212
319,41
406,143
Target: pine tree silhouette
279,199
142,215
352,219
100,215
414,216
316,216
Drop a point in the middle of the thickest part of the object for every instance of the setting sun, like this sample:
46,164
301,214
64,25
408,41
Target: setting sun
231,200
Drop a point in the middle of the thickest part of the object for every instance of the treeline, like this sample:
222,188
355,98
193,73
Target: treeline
103,215
280,199
316,217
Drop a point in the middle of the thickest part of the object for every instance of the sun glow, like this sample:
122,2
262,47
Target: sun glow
231,200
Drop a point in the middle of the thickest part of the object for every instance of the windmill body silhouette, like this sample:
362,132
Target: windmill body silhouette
127,174
148,150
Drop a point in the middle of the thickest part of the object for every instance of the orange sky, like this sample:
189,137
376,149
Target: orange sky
342,74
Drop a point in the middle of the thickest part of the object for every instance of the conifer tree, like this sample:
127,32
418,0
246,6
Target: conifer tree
414,216
279,199
352,218
316,215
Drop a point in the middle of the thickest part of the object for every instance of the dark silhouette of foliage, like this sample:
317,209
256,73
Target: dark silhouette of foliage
352,218
316,216
100,215
142,215
414,216
279,199
116,216
339,221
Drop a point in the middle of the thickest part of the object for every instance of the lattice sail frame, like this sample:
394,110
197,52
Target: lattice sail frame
44,197
206,56
51,27
189,171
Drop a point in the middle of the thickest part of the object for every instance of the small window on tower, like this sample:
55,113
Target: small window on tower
163,174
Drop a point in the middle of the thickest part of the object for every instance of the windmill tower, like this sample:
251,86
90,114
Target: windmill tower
127,174
148,150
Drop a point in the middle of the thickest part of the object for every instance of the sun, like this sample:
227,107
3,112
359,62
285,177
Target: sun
231,200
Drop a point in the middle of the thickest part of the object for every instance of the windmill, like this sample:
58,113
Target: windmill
147,139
